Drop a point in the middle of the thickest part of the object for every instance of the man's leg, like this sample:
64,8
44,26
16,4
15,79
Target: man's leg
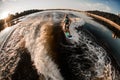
64,28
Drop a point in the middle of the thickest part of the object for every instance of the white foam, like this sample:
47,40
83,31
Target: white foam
96,50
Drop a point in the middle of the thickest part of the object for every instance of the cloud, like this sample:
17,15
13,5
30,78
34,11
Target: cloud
20,5
94,6
75,5
7,0
3,0
101,6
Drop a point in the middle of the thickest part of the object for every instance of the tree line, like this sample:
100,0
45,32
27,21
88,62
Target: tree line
113,17
11,17
110,16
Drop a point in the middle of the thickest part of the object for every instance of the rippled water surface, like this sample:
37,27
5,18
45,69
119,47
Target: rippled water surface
90,54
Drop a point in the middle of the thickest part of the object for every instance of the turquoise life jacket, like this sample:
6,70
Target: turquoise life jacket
67,20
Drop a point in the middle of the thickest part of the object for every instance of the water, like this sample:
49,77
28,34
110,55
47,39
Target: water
106,36
91,61
81,57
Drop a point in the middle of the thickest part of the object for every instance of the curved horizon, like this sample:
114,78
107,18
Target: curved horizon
13,6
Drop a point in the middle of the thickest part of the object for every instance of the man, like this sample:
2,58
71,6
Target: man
67,23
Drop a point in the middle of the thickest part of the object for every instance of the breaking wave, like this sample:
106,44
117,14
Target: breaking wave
86,60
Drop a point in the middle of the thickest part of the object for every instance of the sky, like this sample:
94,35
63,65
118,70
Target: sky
13,6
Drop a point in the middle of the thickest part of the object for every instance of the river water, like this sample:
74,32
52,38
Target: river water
105,35
83,58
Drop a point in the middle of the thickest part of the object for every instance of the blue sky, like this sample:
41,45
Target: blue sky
113,4
13,6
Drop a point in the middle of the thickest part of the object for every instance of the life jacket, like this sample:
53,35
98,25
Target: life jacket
67,20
